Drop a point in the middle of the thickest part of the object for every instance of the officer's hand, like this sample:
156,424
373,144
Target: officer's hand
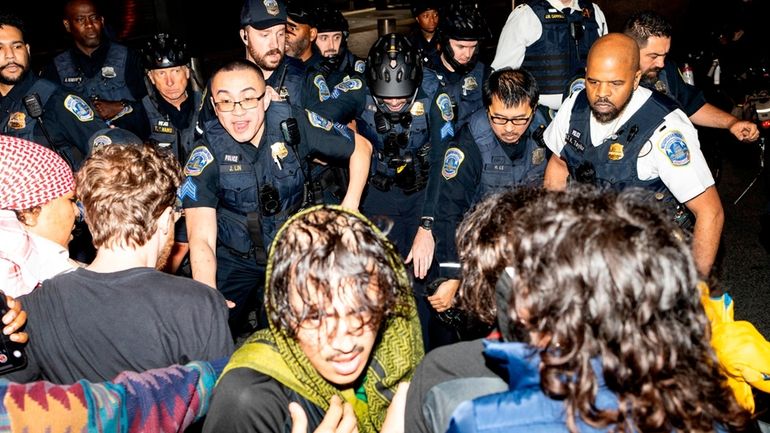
394,418
107,109
340,418
14,319
422,252
272,94
443,299
745,131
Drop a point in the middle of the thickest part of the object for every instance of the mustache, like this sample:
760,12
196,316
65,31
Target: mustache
604,101
275,51
356,350
12,64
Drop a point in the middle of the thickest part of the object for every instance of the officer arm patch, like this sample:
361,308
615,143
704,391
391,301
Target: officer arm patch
447,130
199,158
77,106
349,84
444,104
452,160
675,148
188,190
323,88
319,121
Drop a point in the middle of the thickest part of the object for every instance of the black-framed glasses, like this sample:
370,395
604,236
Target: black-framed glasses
518,121
227,106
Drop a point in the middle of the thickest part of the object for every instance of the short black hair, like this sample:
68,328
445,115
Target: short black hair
12,20
645,24
512,87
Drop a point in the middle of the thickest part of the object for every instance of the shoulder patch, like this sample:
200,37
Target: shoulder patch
77,106
188,189
343,130
323,88
349,84
360,66
318,121
675,148
444,104
199,158
452,160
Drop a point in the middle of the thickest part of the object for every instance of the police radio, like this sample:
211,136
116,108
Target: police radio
290,131
35,110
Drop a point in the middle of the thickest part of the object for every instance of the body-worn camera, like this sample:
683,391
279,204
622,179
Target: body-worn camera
12,355
269,200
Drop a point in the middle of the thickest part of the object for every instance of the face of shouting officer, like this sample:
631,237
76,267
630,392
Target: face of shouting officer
265,46
652,56
14,57
612,75
509,123
238,97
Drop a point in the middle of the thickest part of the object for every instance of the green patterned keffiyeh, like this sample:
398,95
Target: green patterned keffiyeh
396,354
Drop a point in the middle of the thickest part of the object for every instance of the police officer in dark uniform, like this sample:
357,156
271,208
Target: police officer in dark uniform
36,109
456,72
107,72
395,120
332,43
301,32
500,147
171,106
424,36
246,176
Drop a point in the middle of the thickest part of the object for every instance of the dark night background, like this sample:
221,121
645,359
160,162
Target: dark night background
212,30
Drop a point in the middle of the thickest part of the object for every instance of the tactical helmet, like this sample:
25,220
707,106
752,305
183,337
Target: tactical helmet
163,51
463,22
330,19
393,69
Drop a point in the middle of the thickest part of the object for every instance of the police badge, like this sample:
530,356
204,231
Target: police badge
469,84
108,72
271,6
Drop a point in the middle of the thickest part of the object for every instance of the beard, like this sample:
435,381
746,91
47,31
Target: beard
650,77
296,47
612,114
9,80
262,62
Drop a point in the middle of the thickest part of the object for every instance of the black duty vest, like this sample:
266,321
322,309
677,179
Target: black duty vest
243,180
108,84
557,56
18,123
168,136
498,171
466,94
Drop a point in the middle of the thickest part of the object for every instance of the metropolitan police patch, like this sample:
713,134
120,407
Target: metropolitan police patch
77,106
199,158
349,84
445,106
577,85
675,148
318,121
452,160
323,88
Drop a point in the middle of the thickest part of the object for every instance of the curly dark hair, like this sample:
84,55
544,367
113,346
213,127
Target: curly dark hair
483,248
645,24
332,250
606,277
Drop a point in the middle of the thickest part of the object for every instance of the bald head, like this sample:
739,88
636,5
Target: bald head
614,50
612,75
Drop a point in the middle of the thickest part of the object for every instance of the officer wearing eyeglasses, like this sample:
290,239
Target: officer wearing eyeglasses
500,147
247,175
